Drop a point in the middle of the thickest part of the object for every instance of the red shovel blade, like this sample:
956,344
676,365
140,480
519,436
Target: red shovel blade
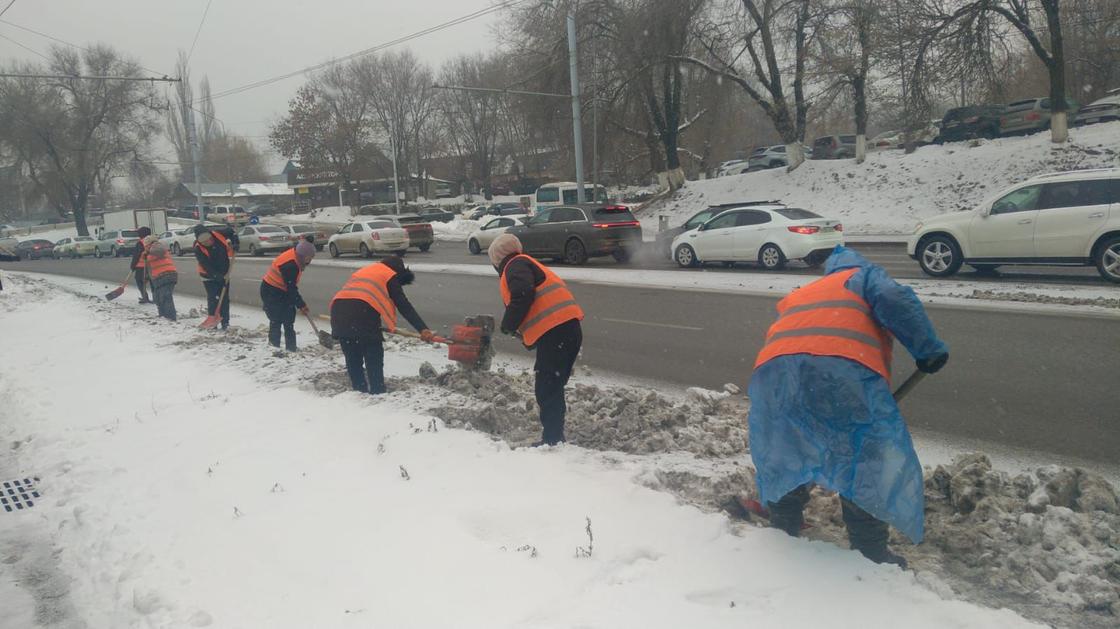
113,294
210,322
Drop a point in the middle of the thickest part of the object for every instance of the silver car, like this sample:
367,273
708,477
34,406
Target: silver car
258,239
1101,110
1030,115
116,243
768,157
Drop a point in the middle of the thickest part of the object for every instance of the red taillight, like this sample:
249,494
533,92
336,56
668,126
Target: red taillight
264,238
375,236
804,229
1034,115
622,224
839,227
120,241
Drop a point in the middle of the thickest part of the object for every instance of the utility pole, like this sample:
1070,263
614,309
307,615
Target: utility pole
197,170
396,191
577,118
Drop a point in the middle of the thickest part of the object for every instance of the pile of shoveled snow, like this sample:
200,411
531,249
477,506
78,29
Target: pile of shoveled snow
891,192
1034,298
455,231
626,419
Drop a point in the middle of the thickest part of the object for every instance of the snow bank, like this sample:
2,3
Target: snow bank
455,231
891,192
193,482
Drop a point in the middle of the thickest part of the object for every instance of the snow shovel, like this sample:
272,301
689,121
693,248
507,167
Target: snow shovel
325,339
118,291
906,387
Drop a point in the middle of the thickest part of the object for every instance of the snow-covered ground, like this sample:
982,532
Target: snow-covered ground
455,231
891,192
190,479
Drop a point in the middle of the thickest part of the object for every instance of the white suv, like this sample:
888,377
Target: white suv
1070,218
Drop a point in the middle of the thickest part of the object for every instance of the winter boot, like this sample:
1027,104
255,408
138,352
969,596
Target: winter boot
885,556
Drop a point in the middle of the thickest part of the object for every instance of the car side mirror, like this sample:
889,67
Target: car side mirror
702,227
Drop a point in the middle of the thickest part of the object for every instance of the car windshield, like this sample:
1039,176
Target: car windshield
269,229
302,228
759,151
1020,105
409,220
961,113
130,233
700,218
83,239
796,213
379,225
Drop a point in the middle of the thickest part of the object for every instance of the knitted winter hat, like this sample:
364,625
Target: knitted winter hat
502,247
305,251
157,251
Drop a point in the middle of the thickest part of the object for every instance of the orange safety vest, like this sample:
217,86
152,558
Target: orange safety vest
206,252
159,266
274,278
142,258
826,319
553,304
371,285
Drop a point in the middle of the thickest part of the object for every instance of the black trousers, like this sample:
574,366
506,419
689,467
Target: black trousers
213,292
163,294
140,274
866,533
365,363
281,316
556,356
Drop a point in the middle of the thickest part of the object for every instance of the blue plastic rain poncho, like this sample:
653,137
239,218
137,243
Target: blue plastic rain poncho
833,422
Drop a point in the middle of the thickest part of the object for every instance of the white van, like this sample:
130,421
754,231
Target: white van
564,193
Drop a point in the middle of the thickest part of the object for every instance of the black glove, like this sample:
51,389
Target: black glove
509,331
934,363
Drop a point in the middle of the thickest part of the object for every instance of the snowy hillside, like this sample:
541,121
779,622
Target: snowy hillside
891,192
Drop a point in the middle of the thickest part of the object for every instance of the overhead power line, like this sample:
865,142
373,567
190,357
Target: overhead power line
61,41
199,31
28,49
368,51
7,7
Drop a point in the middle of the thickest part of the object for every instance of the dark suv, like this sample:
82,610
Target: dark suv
974,121
577,232
35,249
834,147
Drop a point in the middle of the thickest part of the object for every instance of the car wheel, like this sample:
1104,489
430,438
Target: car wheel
363,250
333,249
575,252
939,256
474,247
1108,259
622,255
771,258
686,257
175,249
253,251
424,248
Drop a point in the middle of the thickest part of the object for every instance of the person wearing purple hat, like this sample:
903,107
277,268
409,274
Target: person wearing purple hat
280,293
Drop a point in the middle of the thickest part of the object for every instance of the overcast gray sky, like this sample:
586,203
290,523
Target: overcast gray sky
243,41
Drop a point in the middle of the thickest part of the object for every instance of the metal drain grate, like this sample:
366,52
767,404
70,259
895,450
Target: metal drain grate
16,495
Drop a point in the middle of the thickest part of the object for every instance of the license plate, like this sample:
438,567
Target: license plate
828,228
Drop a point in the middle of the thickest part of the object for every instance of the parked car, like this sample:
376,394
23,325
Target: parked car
974,121
1070,218
725,168
664,239
767,157
262,209
886,140
74,247
116,243
436,214
420,232
305,230
481,238
35,248
1101,110
578,232
496,209
190,212
8,246
178,241
770,235
261,239
834,147
1030,115
367,238
233,215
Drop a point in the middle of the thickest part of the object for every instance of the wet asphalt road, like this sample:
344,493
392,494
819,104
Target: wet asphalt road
1039,381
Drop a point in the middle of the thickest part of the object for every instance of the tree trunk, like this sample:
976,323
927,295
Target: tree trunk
859,89
1059,120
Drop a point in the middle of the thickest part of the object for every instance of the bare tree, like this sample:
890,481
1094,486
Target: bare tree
329,126
471,119
847,41
755,29
75,134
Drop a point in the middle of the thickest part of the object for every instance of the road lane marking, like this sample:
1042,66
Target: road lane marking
650,323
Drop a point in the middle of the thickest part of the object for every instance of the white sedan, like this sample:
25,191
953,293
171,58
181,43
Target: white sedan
178,241
480,239
768,234
367,238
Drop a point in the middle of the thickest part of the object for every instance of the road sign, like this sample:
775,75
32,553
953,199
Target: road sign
254,220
